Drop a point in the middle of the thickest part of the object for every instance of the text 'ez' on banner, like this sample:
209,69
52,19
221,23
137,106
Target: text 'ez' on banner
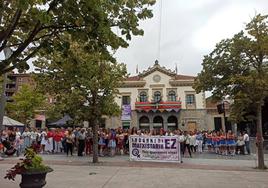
154,148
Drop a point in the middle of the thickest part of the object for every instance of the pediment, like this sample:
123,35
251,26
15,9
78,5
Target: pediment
159,68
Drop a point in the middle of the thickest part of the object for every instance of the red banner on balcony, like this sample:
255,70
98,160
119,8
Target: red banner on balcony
161,106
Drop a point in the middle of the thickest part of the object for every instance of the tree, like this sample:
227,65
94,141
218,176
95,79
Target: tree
84,83
1,83
26,26
26,101
238,68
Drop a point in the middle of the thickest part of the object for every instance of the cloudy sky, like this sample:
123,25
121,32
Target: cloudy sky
189,30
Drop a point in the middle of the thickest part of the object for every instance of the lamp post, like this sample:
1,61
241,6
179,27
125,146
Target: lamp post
221,110
7,52
224,117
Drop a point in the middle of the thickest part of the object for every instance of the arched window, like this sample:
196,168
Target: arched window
158,122
144,119
144,123
157,96
143,96
171,96
172,119
158,119
172,122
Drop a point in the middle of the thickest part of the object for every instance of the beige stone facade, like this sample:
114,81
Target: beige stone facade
214,120
160,98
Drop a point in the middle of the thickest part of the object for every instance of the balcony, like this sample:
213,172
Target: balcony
153,106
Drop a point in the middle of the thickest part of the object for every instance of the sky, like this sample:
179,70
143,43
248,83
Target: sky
189,29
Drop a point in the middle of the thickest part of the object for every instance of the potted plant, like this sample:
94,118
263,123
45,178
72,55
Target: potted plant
32,170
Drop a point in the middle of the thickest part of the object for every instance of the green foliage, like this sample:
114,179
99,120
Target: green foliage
31,163
36,161
26,101
238,69
83,83
54,112
30,25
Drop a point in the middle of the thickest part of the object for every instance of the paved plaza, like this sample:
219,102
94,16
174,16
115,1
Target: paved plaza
207,170
116,177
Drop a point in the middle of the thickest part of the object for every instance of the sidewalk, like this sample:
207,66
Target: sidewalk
65,176
119,172
203,161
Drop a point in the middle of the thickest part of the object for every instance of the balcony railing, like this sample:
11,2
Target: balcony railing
160,105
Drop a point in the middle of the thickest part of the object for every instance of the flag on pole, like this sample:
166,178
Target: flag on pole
176,68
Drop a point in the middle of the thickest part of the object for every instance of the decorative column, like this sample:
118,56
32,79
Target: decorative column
150,115
165,122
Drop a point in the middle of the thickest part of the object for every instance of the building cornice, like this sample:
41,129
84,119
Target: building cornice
181,82
127,84
157,85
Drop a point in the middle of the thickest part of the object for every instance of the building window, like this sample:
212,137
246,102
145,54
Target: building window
126,124
190,99
126,100
157,96
143,96
9,94
171,96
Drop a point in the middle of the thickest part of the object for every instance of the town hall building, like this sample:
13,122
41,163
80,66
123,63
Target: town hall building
160,98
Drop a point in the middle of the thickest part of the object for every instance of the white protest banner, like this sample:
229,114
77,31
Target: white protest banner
154,148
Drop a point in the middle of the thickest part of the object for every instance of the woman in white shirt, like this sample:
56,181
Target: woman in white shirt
43,140
26,135
192,142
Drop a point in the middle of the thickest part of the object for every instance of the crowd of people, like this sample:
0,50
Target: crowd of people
115,141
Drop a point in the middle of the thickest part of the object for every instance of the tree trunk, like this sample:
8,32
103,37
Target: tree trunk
95,129
259,138
3,102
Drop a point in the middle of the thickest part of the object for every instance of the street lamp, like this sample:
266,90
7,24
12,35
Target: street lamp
221,110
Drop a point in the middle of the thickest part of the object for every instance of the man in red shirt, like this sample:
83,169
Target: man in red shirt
57,139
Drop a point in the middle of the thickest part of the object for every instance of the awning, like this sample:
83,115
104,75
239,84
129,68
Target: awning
62,121
40,117
11,122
